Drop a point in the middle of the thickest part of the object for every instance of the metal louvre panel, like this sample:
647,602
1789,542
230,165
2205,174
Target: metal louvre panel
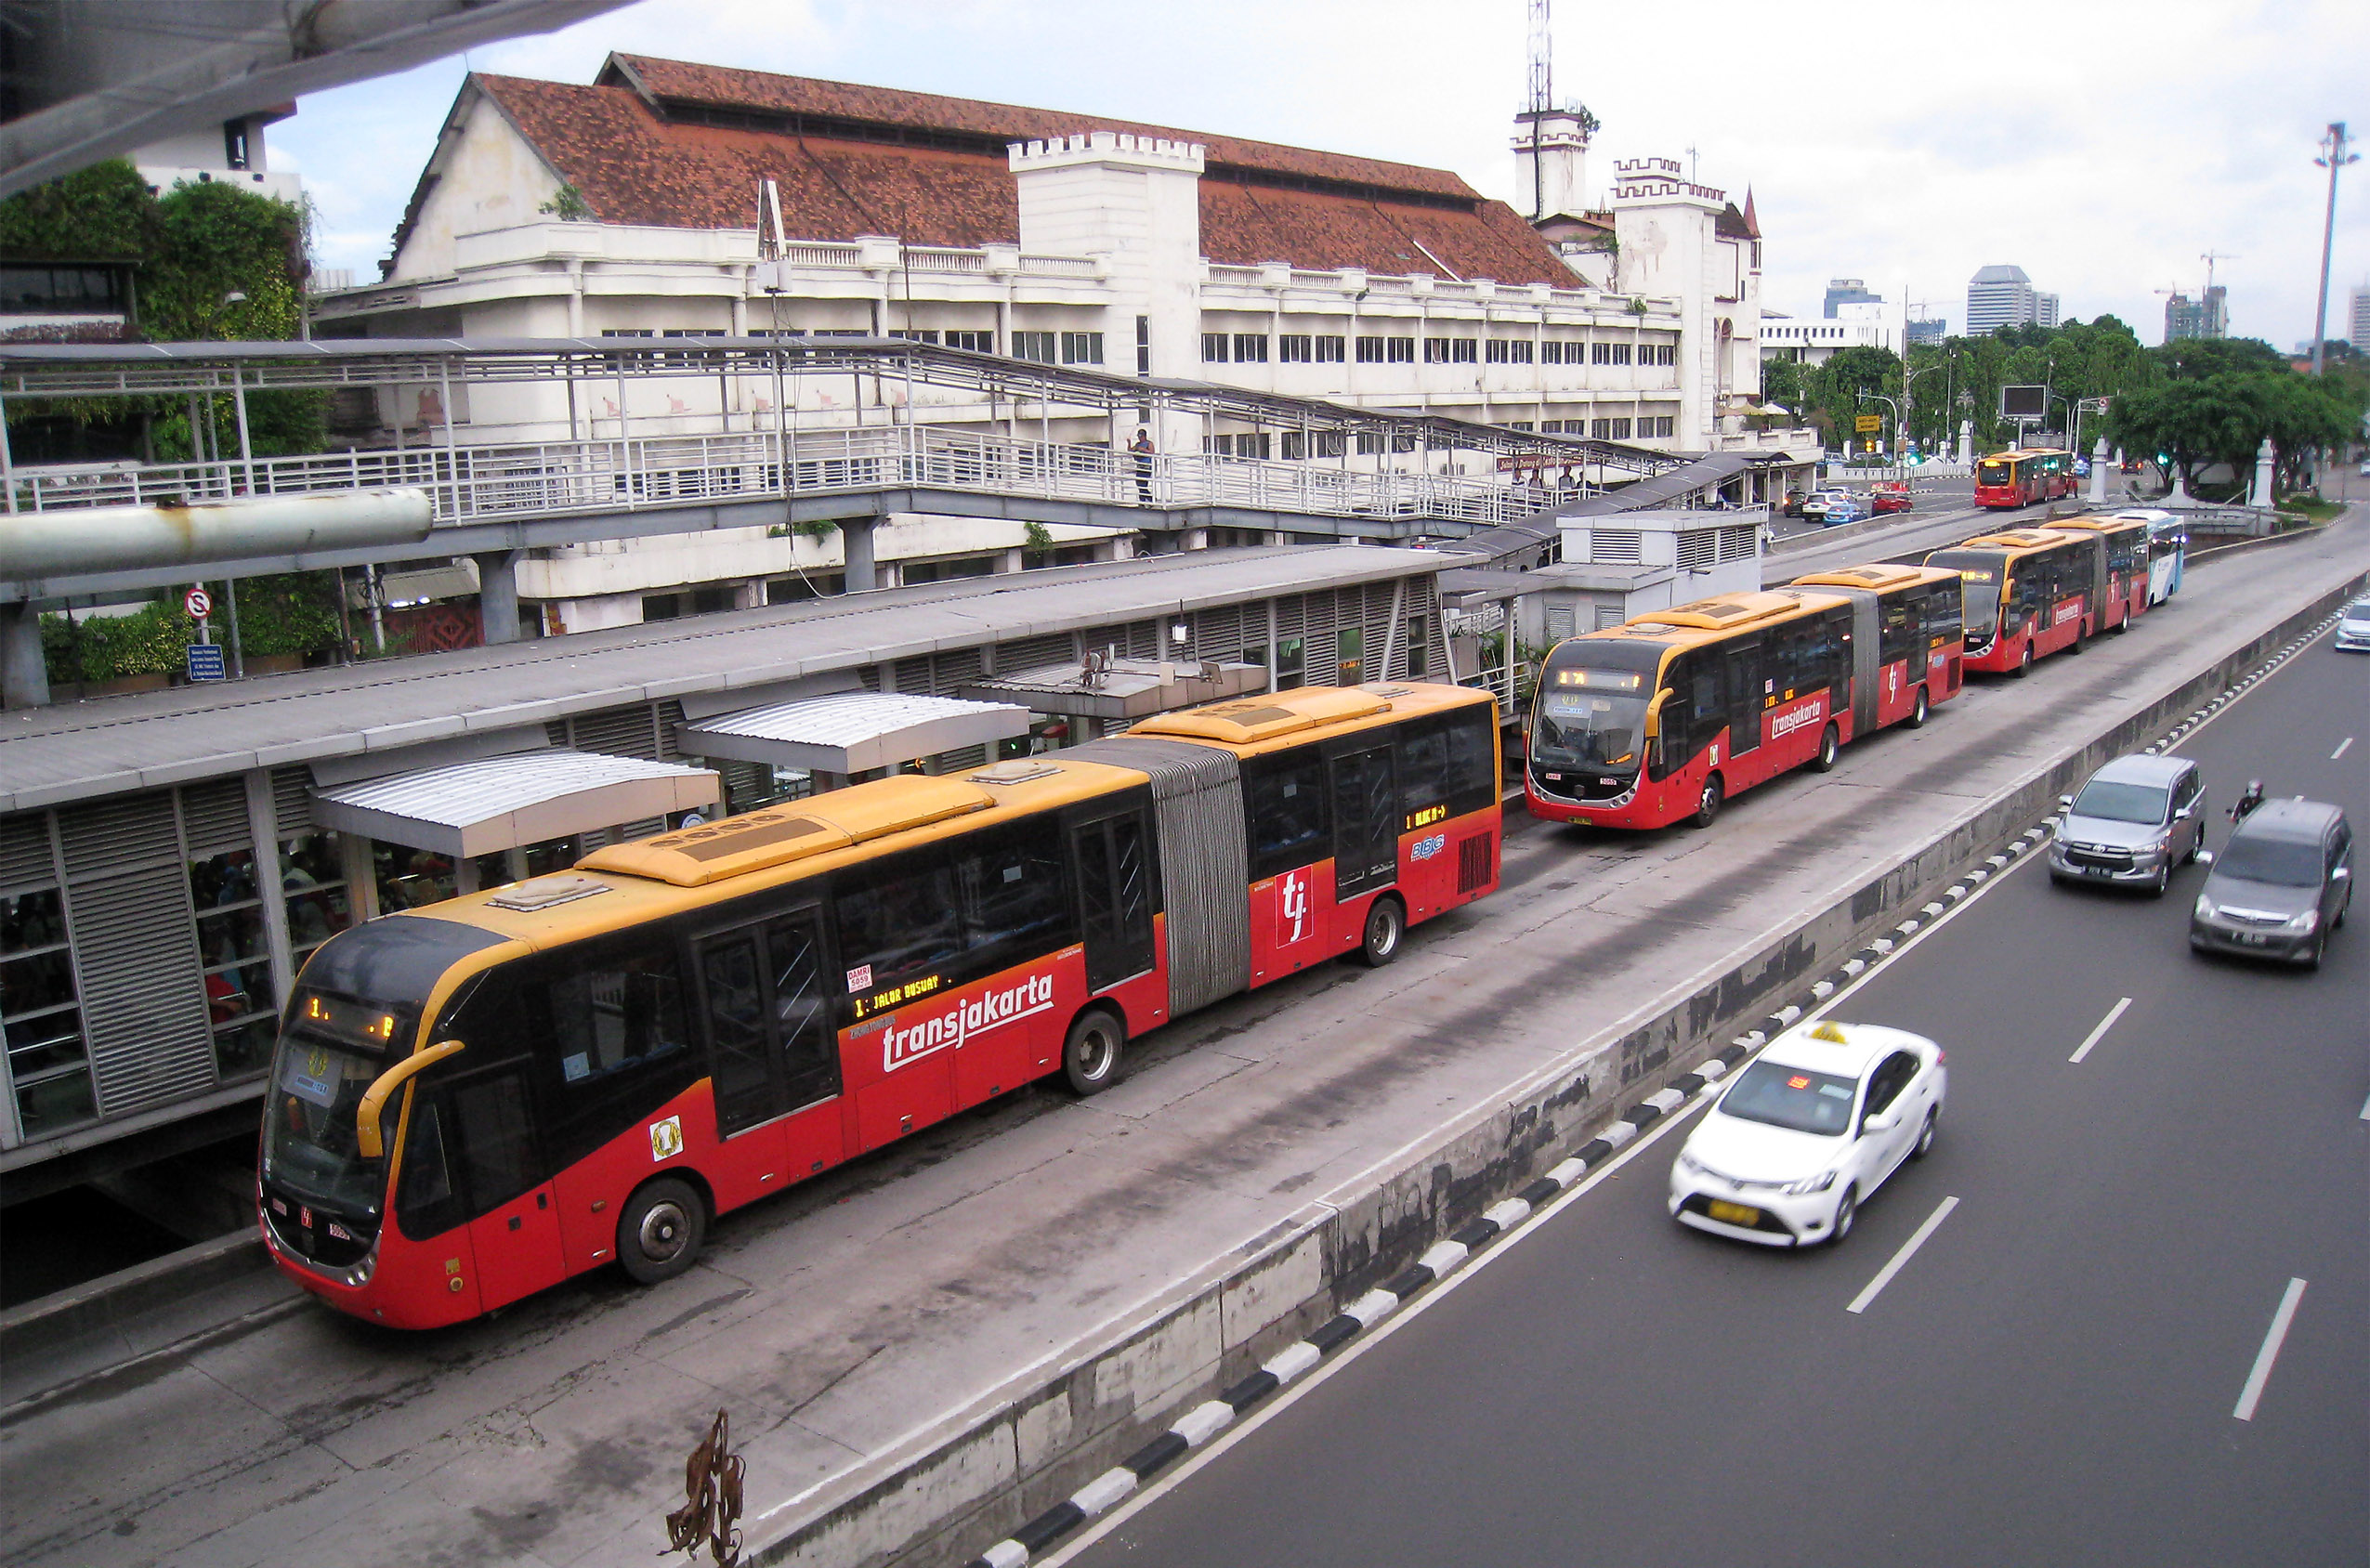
136,958
118,835
214,816
1031,653
24,851
555,731
618,732
669,720
912,677
1205,865
963,759
949,673
1143,640
291,801
1217,634
1292,615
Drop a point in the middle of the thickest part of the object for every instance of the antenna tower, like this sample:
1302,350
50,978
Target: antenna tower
1542,83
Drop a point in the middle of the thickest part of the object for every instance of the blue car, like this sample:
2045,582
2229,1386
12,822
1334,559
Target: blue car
1847,509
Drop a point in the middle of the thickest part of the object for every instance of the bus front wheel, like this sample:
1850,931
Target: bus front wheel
1386,922
660,1233
1091,1054
1708,804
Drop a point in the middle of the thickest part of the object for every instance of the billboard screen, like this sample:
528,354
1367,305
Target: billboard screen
2023,402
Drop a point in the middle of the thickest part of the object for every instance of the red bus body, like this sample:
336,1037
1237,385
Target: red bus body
2024,477
2119,566
905,1057
1752,647
2028,594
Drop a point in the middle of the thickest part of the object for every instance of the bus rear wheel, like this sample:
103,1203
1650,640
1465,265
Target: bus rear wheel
2025,664
1386,922
659,1234
1917,714
1090,1056
1708,804
1830,745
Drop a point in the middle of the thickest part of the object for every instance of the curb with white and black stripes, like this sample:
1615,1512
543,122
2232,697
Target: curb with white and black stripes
1198,1426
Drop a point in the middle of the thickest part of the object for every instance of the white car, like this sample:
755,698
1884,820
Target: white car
1807,1131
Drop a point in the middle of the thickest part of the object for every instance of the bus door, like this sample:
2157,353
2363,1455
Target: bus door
1366,822
771,1045
487,1153
1749,691
1113,855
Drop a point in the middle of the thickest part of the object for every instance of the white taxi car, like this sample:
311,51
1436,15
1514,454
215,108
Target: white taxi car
1807,1131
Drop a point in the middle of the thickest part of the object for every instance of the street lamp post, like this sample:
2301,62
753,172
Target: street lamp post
1899,471
2334,156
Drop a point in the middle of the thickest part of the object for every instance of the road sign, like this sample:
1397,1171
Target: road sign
206,661
199,603
1868,422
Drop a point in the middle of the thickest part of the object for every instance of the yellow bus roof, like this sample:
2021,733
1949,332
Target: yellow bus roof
1731,612
2012,539
2014,453
1274,720
1877,575
2095,524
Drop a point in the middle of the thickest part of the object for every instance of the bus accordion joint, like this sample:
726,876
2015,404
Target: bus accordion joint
368,1140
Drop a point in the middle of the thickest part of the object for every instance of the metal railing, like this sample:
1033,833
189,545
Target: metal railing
475,484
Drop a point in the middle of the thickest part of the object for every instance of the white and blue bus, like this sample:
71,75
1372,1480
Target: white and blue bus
2167,551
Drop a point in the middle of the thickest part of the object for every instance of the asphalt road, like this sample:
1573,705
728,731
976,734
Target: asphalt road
2050,1378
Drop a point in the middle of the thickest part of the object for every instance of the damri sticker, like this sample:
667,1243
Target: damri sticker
666,1138
860,978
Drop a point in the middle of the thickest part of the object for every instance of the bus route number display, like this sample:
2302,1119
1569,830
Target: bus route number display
1602,680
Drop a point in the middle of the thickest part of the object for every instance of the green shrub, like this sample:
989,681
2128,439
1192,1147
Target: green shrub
107,648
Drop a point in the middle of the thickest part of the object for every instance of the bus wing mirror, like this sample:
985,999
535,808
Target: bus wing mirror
368,1140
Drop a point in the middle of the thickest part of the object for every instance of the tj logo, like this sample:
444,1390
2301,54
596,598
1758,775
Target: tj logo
1291,896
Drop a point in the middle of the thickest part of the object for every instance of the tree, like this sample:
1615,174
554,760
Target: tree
2196,359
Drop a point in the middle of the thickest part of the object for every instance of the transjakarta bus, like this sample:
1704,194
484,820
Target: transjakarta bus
1668,713
2118,551
1907,649
2024,477
2027,594
2168,550
473,1101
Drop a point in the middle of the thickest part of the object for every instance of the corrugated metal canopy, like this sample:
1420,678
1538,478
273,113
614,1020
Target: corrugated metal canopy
852,731
505,803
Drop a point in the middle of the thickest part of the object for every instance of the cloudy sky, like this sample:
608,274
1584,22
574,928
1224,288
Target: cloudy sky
2102,145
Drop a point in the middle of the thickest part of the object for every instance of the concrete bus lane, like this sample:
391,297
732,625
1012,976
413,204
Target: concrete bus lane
851,1313
2129,1332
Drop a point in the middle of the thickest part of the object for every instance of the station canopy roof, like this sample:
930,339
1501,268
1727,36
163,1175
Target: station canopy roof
506,803
852,731
1119,688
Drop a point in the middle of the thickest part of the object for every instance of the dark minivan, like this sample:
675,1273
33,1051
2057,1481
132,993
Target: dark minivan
2280,886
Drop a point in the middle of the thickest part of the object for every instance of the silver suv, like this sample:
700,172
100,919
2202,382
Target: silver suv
2280,886
2134,822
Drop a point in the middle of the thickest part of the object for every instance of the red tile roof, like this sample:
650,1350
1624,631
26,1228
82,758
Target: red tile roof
675,145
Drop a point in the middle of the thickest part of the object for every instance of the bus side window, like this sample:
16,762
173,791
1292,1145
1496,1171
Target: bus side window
1285,798
614,1008
426,1179
1472,761
1013,888
1423,766
496,1141
902,917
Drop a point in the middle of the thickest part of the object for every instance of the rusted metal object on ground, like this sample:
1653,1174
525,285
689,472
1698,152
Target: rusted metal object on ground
711,1512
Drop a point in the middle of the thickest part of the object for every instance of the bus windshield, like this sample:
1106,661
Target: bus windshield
1992,473
310,1140
1978,576
1591,728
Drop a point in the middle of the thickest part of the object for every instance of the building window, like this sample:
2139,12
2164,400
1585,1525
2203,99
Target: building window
1035,347
619,361
1296,348
1258,444
1294,446
1665,425
1369,350
1399,350
1417,636
976,343
1550,352
1329,350
1214,348
1403,441
1521,347
1501,351
1349,650
1082,349
1436,350
1465,350
1332,443
235,151
1601,428
1370,442
1250,349
312,886
1620,430
1525,425
910,334
41,1013
1291,662
240,1004
1144,345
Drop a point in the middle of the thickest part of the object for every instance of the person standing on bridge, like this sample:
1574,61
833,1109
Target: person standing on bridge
1143,449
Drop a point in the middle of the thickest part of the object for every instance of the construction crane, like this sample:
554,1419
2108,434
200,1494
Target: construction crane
2210,257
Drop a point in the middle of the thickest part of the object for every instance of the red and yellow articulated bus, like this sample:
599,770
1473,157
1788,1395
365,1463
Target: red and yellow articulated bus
2028,595
2024,477
473,1101
1907,647
2120,551
1664,717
